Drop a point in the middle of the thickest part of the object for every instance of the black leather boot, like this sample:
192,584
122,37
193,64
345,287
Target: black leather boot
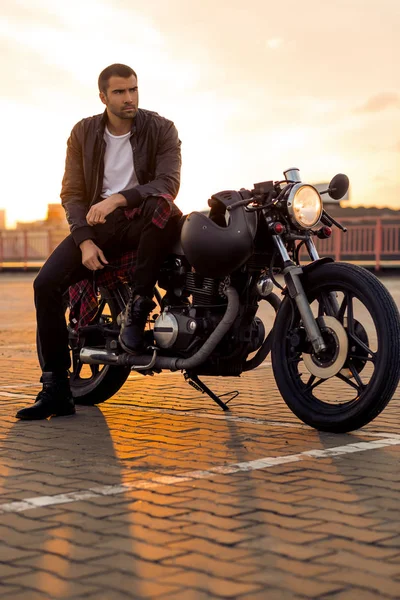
54,400
134,321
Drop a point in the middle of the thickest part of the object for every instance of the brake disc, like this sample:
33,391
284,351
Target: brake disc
330,362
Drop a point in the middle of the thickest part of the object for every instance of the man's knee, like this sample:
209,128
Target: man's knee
42,284
47,283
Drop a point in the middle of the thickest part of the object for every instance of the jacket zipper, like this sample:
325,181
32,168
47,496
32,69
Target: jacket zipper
96,192
132,140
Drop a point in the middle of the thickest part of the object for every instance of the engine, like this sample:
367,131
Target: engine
193,307
175,329
185,329
185,324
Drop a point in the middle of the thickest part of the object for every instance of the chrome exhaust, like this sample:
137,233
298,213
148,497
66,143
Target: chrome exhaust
95,356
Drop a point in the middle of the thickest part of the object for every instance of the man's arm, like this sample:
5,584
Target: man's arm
73,191
167,169
75,203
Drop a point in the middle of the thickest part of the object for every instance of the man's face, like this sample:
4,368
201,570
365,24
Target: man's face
121,97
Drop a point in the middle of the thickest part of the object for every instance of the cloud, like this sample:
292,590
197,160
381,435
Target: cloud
22,11
274,43
380,102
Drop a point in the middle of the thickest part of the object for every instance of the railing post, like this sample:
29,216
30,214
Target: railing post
49,244
337,244
25,250
1,251
378,243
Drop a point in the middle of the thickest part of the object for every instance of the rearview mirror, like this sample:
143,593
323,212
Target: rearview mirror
338,186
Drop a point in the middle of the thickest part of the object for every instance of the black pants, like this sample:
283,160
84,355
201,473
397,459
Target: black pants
64,268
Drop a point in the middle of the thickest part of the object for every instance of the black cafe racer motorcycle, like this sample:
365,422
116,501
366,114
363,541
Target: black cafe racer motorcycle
335,342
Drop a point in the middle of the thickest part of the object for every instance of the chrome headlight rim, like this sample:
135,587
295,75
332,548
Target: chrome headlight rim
291,210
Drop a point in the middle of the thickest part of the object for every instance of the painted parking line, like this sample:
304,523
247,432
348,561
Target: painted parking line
18,385
380,441
17,346
16,396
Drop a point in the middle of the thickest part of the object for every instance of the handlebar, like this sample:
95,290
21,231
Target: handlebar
240,203
252,197
328,220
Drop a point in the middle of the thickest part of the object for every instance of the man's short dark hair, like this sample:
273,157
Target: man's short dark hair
116,70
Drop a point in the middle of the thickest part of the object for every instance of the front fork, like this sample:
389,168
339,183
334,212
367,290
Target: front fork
292,274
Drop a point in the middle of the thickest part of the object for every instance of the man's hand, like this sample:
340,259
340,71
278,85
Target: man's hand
98,212
92,256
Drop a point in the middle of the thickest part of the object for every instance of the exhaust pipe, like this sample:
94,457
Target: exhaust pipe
94,356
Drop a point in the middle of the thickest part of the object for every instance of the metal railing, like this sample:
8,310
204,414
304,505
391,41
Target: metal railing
28,248
375,241
369,240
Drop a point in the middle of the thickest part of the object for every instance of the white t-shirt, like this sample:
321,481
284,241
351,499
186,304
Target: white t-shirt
119,170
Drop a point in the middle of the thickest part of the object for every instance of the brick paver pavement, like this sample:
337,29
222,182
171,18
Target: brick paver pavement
158,494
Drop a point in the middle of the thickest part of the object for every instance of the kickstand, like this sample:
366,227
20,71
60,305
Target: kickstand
200,386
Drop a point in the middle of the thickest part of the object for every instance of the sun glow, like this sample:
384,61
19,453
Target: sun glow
249,98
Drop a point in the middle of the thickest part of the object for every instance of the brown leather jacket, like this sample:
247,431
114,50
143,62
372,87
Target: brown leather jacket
156,155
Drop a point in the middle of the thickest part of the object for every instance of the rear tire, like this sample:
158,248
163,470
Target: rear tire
94,384
357,393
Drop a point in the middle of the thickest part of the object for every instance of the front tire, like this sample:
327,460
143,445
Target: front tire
364,384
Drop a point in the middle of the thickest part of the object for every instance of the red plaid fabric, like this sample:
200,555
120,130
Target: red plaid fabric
165,209
83,299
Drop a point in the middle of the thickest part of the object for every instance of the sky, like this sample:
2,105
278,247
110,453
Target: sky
253,87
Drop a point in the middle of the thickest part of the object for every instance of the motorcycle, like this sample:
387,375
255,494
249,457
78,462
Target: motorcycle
335,341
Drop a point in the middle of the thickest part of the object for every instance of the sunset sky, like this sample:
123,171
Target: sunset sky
253,87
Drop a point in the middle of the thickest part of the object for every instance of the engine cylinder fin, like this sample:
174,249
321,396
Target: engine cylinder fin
204,290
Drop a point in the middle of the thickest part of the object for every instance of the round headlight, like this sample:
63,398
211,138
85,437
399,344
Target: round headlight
304,205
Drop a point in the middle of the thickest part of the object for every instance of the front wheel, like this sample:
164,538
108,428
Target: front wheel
350,383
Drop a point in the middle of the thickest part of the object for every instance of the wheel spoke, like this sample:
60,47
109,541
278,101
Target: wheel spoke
77,368
363,358
350,314
314,385
356,376
295,359
310,381
348,381
342,308
321,306
325,305
362,346
94,369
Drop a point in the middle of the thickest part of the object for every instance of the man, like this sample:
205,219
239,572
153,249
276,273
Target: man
126,158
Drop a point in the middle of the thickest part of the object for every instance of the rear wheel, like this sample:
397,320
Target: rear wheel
350,383
93,384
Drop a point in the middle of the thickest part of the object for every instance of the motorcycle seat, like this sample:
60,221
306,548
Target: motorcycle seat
177,247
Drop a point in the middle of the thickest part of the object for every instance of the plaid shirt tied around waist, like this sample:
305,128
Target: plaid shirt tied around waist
83,301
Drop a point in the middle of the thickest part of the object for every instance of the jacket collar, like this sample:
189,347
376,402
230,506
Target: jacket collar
136,125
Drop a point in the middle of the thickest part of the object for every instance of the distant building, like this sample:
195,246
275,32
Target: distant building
56,216
30,225
55,220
